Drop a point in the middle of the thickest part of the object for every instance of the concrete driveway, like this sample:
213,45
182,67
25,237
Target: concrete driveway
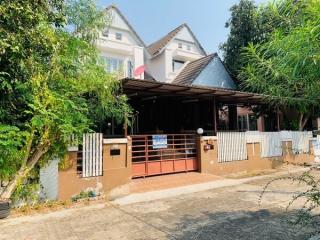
224,213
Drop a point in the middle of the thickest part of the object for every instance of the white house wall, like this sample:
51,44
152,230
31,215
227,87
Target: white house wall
186,38
193,47
127,37
138,59
131,48
117,21
215,75
157,67
160,67
128,48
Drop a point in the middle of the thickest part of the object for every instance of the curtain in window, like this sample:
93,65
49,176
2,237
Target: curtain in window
113,65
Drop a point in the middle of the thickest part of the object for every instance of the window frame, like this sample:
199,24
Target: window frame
118,36
105,33
179,62
112,64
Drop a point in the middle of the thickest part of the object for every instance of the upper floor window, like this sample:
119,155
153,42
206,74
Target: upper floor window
113,64
176,65
119,36
179,45
188,47
105,33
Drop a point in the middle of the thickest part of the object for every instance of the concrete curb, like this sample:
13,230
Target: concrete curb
174,192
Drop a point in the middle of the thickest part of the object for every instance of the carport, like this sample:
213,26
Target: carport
166,119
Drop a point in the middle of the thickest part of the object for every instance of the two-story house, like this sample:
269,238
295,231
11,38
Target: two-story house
177,58
168,59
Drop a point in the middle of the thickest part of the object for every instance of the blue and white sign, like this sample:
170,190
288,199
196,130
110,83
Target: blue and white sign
159,141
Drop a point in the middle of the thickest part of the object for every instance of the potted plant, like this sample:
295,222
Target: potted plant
4,208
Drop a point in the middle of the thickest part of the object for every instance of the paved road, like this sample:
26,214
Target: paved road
224,213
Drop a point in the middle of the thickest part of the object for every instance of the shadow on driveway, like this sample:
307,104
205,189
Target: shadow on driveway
247,225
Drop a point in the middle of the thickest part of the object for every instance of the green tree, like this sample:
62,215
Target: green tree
55,84
250,23
286,67
243,29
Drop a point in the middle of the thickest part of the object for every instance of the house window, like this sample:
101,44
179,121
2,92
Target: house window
179,45
130,69
253,125
188,47
105,33
243,122
113,64
247,123
119,36
176,65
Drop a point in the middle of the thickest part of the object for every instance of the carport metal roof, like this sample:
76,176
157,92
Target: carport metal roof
137,88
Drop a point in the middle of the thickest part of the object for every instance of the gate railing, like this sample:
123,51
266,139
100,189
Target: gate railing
171,148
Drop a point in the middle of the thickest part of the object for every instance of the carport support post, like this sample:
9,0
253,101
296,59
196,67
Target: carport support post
232,117
278,120
125,128
215,115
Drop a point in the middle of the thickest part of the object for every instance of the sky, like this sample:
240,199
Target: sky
152,19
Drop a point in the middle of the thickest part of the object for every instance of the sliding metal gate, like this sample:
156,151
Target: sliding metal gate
162,154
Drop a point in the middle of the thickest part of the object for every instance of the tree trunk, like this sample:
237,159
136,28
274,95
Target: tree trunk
303,119
23,172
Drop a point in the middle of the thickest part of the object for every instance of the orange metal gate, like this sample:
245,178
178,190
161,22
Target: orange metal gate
173,153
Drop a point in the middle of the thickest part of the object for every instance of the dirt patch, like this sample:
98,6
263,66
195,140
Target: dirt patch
246,174
51,206
252,173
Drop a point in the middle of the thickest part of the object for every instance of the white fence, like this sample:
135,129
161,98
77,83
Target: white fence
49,180
301,142
271,144
92,155
232,146
316,149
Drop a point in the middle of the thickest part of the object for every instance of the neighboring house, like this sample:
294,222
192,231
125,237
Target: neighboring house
121,47
207,71
172,53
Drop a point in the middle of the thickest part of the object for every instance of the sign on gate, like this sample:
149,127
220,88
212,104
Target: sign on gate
159,141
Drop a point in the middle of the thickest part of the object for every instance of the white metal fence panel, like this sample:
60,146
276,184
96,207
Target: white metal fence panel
231,146
271,144
316,148
253,137
301,141
49,180
286,135
92,155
